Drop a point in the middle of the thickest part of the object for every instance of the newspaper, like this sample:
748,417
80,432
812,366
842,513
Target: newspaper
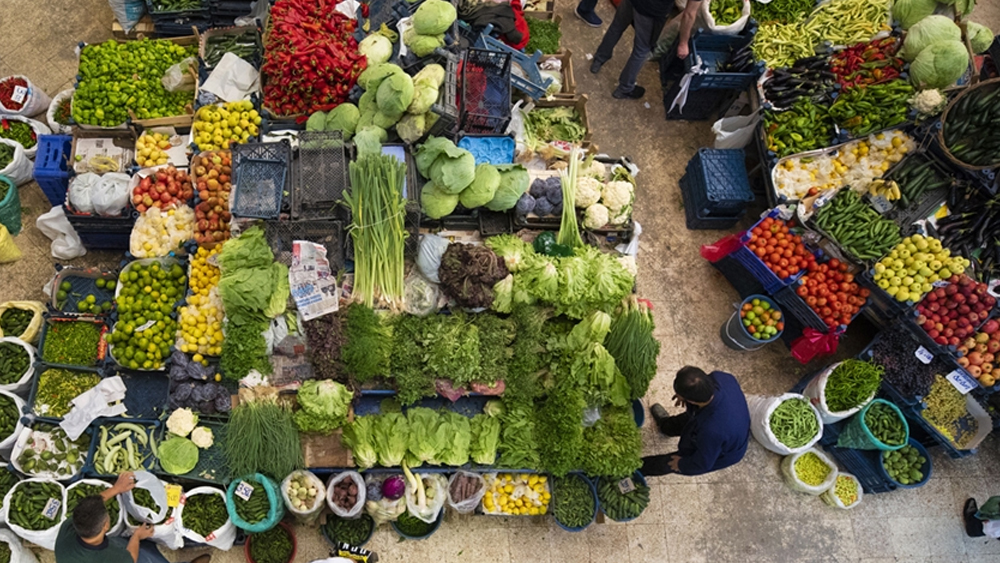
313,285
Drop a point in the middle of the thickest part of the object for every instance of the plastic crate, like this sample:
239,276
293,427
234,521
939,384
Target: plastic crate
212,467
493,223
488,149
793,305
883,304
91,469
976,411
719,181
469,405
145,394
695,220
52,169
83,282
756,267
260,178
714,51
526,77
282,234
102,233
863,464
738,276
707,105
167,14
485,91
52,319
322,175
40,368
446,107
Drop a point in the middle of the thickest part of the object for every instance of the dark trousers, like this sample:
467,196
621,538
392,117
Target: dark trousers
647,31
655,465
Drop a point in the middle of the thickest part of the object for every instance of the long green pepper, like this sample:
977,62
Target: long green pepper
205,513
573,501
794,423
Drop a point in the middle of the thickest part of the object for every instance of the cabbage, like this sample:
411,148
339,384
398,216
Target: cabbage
432,74
513,182
377,48
395,93
372,76
384,121
453,175
178,455
482,189
980,37
928,31
436,203
909,12
316,121
940,65
367,103
394,487
424,96
433,147
434,17
423,45
411,127
369,140
343,118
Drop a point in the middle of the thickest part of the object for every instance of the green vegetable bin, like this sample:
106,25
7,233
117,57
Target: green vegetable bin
275,511
639,481
858,436
10,207
925,468
333,541
288,530
434,528
593,491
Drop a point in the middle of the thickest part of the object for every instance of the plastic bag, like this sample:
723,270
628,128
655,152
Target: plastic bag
760,423
830,496
813,344
7,442
128,12
66,244
37,126
421,296
429,255
382,510
468,505
34,330
81,192
9,252
18,553
222,538
359,482
180,77
33,101
732,29
720,248
110,196
310,514
19,170
435,492
275,511
23,385
816,392
796,484
117,525
148,481
735,132
858,436
44,538
50,116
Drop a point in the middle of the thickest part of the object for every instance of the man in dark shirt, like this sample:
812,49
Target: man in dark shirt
647,17
714,430
83,537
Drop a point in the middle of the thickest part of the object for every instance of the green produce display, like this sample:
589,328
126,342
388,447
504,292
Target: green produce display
15,321
145,331
352,531
631,343
573,501
852,383
366,353
323,406
245,45
946,411
915,176
253,509
122,447
49,451
780,11
904,465
885,424
804,127
28,501
143,498
84,490
726,12
970,128
72,343
846,22
115,78
856,227
18,131
7,480
6,156
878,106
57,387
811,470
261,438
794,423
5,552
412,526
14,361
272,546
9,416
160,6
544,35
622,506
244,349
205,513
780,45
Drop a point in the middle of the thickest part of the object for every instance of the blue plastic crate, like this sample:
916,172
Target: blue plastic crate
103,233
863,464
716,50
695,220
719,181
757,268
488,149
105,241
261,178
145,394
486,79
52,169
83,282
470,405
795,306
212,468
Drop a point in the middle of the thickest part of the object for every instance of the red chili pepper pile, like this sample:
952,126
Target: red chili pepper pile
865,64
7,92
312,58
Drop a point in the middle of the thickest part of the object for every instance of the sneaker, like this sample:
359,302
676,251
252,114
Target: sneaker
659,413
590,19
595,66
973,525
635,94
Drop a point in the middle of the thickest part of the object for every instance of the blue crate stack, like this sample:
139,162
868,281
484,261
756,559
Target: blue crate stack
716,189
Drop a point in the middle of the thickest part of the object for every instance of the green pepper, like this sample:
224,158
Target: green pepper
546,244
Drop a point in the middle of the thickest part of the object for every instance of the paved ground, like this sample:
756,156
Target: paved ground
742,514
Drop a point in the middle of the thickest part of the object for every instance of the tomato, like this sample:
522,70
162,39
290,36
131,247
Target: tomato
803,291
788,253
822,291
760,252
834,263
849,278
783,263
820,277
781,273
792,270
863,292
774,258
811,301
844,286
811,283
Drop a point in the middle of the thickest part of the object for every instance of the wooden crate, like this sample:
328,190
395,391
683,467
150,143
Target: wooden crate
580,103
543,11
565,56
144,27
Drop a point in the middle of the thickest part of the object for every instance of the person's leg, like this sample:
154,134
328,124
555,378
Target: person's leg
647,30
148,553
669,425
623,18
585,11
973,525
655,465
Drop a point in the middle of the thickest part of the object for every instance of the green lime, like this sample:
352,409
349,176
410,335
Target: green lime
83,306
101,283
65,286
61,295
91,299
110,285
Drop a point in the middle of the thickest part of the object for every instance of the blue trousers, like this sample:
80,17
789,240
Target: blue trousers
647,31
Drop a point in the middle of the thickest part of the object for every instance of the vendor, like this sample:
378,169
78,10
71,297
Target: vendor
714,428
83,536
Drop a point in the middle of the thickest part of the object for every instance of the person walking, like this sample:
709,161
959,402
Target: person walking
83,536
714,428
982,520
647,18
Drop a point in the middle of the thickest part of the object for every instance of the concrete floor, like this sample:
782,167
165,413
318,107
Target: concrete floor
744,513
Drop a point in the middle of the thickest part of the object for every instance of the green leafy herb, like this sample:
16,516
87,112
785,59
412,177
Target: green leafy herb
633,347
612,447
544,36
244,349
366,353
261,438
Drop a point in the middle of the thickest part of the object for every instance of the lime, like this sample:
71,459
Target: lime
83,306
110,285
101,283
91,299
61,295
65,286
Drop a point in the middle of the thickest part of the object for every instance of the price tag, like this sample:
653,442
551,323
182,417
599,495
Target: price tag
145,326
20,93
626,486
881,204
923,355
51,509
244,490
961,381
173,495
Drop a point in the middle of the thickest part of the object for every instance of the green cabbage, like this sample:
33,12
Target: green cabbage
436,203
178,455
513,183
424,96
316,121
940,65
369,140
482,189
367,103
323,406
343,118
433,147
928,31
385,121
432,74
980,37
423,45
434,17
394,95
909,12
411,127
372,77
453,175
377,48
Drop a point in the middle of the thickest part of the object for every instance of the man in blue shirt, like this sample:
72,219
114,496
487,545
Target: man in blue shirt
714,430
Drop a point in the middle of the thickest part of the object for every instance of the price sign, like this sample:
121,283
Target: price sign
174,498
961,381
924,355
145,326
626,486
20,93
244,490
881,204
51,509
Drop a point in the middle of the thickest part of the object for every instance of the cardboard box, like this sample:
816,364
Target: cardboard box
116,144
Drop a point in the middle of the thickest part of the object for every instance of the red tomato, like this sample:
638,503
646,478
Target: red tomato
834,263
803,291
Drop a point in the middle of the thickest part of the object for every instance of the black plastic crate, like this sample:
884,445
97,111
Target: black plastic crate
485,91
82,282
494,223
737,275
696,221
103,233
103,325
212,468
281,234
719,181
707,105
863,464
447,105
322,175
260,172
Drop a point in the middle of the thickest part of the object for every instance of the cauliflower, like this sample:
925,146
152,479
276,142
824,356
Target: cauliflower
928,102
182,422
594,170
617,196
621,217
596,216
628,262
588,192
202,437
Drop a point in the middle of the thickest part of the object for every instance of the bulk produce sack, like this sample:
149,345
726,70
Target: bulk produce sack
378,505
221,538
761,413
25,99
117,523
730,29
331,491
37,126
18,553
857,434
735,132
469,504
10,206
23,383
50,116
846,486
30,334
311,512
245,488
7,442
166,532
809,472
43,538
435,491
19,170
9,252
816,391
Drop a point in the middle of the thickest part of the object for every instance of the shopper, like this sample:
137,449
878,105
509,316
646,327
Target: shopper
647,18
714,429
982,520
83,536
585,11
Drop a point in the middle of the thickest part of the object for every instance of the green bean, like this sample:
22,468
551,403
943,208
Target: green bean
794,423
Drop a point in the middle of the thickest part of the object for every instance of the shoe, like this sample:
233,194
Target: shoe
973,525
635,94
590,19
595,66
205,558
659,413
